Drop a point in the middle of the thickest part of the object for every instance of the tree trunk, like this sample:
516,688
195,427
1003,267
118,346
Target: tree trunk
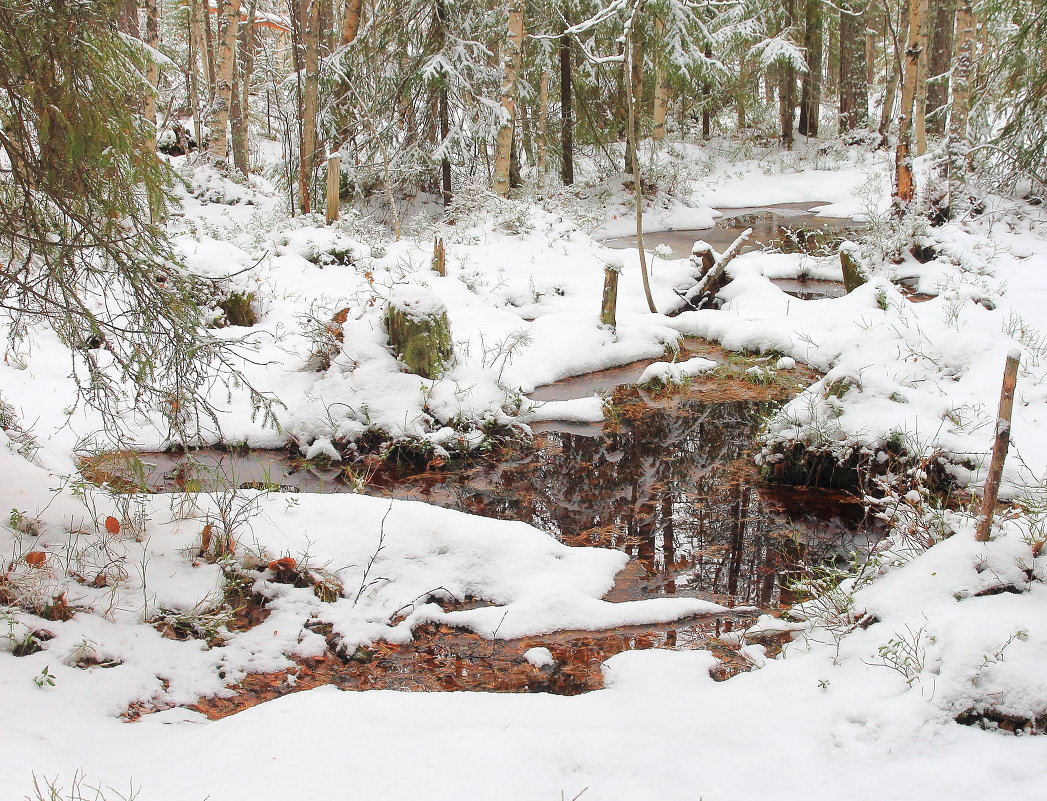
541,143
903,186
707,97
854,92
956,164
633,81
632,63
204,9
742,93
218,118
152,70
899,34
310,17
127,18
961,96
939,62
566,112
787,86
445,160
920,99
196,42
811,93
512,59
443,109
351,21
661,89
240,112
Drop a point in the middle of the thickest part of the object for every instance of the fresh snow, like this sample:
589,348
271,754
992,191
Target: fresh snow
841,714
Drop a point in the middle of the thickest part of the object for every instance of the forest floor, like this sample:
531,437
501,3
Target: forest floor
124,610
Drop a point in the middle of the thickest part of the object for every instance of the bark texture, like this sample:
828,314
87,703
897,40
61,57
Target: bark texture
512,59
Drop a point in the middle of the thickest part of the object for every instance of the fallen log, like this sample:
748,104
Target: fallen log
714,266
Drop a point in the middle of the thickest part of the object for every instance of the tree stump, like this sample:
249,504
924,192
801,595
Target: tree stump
851,263
238,309
439,263
419,331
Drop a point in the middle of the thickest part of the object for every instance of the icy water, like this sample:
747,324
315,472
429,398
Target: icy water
668,478
786,226
789,227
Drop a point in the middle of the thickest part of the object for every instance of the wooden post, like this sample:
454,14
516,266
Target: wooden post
999,448
334,172
609,304
439,256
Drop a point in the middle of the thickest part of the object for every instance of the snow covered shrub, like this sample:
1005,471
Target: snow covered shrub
208,185
47,789
323,330
323,246
25,443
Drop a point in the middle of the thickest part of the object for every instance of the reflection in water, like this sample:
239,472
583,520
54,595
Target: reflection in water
789,227
667,479
668,482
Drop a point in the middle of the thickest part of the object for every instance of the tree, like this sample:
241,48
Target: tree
811,93
78,249
221,100
1019,69
914,53
507,96
854,91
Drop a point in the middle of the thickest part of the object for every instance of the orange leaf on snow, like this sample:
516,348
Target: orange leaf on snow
36,559
112,525
286,563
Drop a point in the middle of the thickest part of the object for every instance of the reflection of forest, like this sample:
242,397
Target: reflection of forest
667,481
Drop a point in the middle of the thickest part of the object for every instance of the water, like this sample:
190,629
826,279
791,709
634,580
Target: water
668,478
790,227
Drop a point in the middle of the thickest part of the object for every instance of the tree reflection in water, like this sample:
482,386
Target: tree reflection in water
669,481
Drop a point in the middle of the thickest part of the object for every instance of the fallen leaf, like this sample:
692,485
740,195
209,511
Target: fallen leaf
286,563
112,525
36,559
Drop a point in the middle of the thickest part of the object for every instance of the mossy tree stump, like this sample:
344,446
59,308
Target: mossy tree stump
419,331
854,274
238,309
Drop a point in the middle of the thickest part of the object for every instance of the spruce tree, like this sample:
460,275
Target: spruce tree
80,189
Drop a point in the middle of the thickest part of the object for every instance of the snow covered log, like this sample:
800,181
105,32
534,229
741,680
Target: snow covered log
419,331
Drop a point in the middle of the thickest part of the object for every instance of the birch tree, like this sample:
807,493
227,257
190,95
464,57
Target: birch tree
512,59
218,113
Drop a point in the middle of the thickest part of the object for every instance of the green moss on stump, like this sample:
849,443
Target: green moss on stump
419,331
854,274
238,309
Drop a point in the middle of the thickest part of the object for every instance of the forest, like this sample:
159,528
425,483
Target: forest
611,399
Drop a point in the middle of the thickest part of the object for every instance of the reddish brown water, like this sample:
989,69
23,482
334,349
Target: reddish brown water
668,478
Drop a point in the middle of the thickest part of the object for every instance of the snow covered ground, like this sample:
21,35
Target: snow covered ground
864,701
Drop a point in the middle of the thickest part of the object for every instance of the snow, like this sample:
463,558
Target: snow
878,669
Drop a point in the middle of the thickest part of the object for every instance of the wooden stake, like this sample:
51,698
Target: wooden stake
609,305
439,256
334,172
999,448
